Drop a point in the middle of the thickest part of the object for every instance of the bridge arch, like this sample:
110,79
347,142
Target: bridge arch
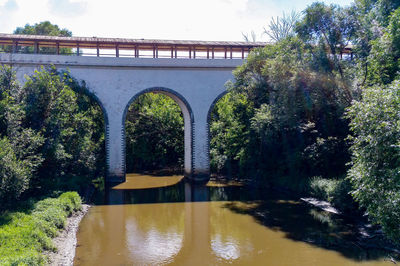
210,109
188,120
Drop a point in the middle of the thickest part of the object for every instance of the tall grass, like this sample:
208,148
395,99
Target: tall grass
25,235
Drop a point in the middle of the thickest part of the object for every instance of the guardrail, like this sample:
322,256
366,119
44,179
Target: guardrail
117,47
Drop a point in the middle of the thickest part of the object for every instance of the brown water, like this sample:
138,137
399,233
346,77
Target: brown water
179,224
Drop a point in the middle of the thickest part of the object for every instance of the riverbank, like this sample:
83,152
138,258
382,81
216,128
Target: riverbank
28,231
65,242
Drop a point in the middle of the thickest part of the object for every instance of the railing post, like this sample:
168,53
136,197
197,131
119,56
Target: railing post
194,52
190,52
231,52
77,49
225,52
117,50
15,47
58,48
212,53
176,51
36,48
98,49
208,52
242,53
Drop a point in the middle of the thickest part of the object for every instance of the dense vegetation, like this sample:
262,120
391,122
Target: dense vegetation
25,234
301,113
154,134
297,101
51,135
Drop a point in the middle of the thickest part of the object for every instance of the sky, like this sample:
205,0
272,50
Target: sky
211,20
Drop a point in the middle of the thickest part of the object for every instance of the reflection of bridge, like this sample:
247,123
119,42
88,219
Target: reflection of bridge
193,73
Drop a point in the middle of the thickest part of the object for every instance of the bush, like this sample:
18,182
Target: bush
24,236
335,191
14,175
375,166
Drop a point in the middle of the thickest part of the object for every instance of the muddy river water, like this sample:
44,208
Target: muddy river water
164,221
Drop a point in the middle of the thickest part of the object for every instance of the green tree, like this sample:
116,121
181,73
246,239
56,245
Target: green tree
281,118
19,156
375,122
44,28
384,58
327,30
154,134
68,121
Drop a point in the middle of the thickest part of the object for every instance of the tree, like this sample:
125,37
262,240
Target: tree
384,58
375,166
282,27
19,146
281,118
68,121
154,134
44,28
327,30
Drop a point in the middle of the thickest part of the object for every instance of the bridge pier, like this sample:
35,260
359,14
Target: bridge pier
201,159
115,149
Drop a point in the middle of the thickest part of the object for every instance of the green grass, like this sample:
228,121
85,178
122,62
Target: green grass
25,235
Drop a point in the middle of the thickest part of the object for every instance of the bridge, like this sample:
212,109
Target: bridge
117,71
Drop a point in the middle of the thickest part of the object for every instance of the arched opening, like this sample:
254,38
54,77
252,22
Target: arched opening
228,136
158,128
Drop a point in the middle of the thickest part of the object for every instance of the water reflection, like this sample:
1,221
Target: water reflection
186,224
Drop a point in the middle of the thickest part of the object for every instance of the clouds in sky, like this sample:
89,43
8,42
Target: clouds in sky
7,8
151,19
67,8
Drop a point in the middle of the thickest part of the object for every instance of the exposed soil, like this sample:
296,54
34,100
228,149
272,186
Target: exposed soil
66,240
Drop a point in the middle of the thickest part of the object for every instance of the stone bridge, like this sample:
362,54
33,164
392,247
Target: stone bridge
117,71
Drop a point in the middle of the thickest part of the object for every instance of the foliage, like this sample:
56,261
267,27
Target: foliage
19,158
375,121
52,134
384,58
43,28
281,118
282,27
228,133
14,175
69,123
327,30
24,235
335,191
154,133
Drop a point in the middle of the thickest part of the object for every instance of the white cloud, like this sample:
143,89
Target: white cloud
157,19
67,8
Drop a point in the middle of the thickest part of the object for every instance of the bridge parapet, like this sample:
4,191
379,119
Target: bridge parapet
120,47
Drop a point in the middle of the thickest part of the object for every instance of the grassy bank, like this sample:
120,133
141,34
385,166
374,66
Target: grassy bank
26,234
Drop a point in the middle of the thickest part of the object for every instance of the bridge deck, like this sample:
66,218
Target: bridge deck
118,47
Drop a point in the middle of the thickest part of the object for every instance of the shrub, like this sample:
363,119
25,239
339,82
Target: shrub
14,175
335,191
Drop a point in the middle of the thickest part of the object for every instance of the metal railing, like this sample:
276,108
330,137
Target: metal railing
117,47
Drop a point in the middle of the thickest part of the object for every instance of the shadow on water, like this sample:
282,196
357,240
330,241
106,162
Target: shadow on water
274,210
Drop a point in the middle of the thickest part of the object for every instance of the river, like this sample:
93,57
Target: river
151,220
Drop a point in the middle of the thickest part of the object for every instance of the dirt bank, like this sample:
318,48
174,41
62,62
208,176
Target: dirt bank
66,240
